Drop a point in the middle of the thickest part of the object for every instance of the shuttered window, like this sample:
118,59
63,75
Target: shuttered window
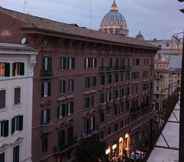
47,64
46,88
45,116
2,157
16,154
17,124
17,96
61,138
2,98
4,128
18,69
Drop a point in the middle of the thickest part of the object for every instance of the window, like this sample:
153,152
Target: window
65,109
102,116
17,124
45,116
94,81
4,69
89,125
87,82
16,153
122,93
2,99
90,63
70,135
2,157
110,62
62,86
116,76
109,130
47,64
18,69
122,124
46,88
116,93
102,97
61,138
4,128
66,86
70,85
87,102
67,63
102,80
115,127
17,96
109,96
44,142
137,62
109,78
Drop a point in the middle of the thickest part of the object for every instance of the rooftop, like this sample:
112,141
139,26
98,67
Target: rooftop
47,26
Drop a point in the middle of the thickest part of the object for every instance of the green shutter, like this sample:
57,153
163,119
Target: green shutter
13,126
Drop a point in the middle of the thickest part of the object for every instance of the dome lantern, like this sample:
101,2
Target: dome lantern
114,6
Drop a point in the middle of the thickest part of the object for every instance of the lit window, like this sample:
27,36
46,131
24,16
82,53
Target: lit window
4,69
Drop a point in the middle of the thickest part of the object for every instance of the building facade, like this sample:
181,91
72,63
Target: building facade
166,85
86,83
16,91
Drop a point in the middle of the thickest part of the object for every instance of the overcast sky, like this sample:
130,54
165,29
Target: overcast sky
155,18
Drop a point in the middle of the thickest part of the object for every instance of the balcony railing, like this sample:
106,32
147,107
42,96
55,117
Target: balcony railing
46,73
114,68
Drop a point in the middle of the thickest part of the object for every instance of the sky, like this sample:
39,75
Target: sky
154,18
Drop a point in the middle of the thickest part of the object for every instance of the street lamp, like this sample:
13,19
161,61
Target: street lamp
181,134
181,138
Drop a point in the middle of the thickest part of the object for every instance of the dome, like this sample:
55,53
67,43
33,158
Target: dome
114,22
140,36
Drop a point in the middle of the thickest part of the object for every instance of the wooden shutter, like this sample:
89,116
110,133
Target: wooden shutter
2,98
16,155
48,116
13,125
73,63
7,69
49,88
50,64
2,157
17,95
21,68
20,123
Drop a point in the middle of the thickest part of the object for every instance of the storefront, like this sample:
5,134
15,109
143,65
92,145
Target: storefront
120,149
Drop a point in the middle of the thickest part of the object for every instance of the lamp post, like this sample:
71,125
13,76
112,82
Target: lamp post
181,138
181,134
181,128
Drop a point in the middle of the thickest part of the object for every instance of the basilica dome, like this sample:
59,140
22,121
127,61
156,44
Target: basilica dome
114,22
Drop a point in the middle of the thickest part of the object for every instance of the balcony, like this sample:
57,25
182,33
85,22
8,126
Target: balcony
104,69
59,149
46,73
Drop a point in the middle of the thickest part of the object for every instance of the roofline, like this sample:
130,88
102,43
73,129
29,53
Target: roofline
10,48
33,29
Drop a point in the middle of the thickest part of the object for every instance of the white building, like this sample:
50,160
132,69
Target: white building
16,90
